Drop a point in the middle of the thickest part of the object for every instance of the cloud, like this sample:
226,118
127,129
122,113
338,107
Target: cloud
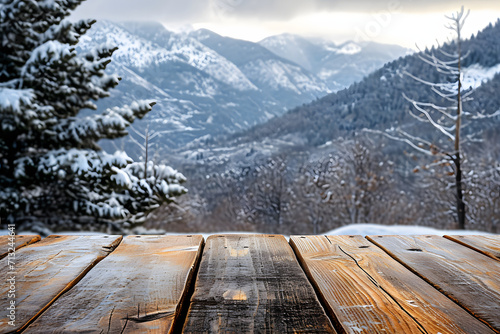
190,11
258,14
288,9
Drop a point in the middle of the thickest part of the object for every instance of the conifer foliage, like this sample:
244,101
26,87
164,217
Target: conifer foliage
51,167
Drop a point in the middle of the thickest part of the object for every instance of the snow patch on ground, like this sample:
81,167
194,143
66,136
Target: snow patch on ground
374,229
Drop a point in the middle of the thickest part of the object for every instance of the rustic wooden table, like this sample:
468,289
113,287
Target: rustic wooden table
250,284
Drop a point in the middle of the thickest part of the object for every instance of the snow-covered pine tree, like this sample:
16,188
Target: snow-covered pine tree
51,167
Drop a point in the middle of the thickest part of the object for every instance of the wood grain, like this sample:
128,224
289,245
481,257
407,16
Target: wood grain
487,244
466,276
369,292
47,269
139,288
19,242
253,284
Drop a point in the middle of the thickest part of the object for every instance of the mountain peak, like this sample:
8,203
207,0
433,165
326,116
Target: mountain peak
203,33
282,39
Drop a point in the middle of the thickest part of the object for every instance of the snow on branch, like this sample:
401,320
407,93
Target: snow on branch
440,109
49,52
449,87
442,129
441,66
77,161
483,116
13,99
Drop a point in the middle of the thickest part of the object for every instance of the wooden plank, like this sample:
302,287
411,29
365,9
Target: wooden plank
10,243
253,284
466,276
139,288
487,244
45,270
367,291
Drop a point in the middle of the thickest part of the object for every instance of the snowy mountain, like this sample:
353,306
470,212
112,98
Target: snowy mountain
267,70
339,65
204,84
199,92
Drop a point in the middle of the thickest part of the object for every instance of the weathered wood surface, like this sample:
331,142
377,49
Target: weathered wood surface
46,269
369,292
486,244
253,284
466,276
139,288
20,241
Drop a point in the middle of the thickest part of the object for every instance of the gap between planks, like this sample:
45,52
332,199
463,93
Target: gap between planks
180,320
488,245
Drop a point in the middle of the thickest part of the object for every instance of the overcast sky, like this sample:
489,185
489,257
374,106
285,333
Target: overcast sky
404,22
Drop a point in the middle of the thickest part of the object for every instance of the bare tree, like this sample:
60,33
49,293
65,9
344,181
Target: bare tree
447,120
267,195
355,183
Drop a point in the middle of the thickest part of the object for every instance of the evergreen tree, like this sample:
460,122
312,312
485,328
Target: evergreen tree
51,167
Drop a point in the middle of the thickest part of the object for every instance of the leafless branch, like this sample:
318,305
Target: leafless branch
404,140
442,129
483,116
440,109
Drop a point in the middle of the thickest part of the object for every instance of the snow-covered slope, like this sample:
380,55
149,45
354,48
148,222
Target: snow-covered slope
293,47
475,75
140,53
265,69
